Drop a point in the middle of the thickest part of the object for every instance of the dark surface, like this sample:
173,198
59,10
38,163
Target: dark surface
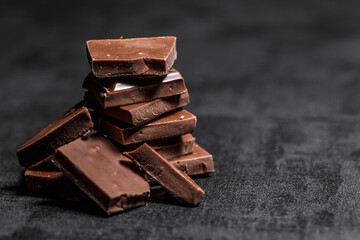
275,86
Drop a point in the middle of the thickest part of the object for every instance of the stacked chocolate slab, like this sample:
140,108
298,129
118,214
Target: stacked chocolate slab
142,132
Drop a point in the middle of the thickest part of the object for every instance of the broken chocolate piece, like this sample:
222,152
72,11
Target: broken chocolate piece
73,124
174,147
114,94
47,179
140,113
167,126
131,57
168,148
177,183
52,182
93,164
197,163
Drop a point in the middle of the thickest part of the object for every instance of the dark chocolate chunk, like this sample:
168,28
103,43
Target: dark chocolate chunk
114,93
73,124
99,169
131,57
167,126
177,183
140,113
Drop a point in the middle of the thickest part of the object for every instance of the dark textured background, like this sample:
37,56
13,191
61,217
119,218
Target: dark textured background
275,86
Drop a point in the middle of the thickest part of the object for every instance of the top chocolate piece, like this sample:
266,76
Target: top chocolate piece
133,57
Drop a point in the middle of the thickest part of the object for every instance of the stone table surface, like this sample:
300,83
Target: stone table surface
275,86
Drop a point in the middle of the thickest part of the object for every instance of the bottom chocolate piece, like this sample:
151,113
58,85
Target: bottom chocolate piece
99,169
47,179
197,163
52,182
177,183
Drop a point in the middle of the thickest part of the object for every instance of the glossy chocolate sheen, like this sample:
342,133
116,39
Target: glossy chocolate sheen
197,163
131,57
177,183
120,93
167,126
93,164
52,182
73,124
140,113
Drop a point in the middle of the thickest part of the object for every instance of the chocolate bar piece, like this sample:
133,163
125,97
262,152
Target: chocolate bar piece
197,163
174,147
140,113
167,126
177,183
72,125
52,182
49,180
131,57
168,148
113,94
92,163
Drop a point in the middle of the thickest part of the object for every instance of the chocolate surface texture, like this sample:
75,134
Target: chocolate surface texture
140,113
94,165
177,183
73,124
114,93
111,58
170,125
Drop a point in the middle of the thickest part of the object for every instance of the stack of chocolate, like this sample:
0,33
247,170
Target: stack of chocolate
141,132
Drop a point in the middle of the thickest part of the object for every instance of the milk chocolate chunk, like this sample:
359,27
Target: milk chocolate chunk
174,147
197,163
131,57
52,182
167,126
73,124
119,93
177,183
168,148
93,164
141,113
